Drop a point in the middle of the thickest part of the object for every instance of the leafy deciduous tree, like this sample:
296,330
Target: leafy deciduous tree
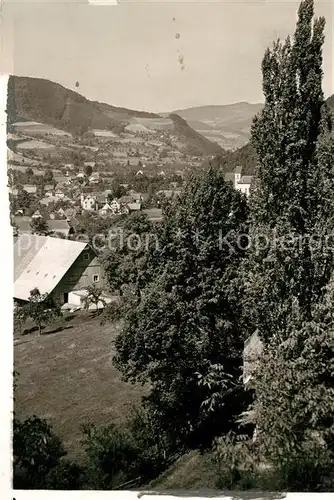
41,309
182,335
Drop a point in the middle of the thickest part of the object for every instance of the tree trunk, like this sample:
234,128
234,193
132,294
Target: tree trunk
39,329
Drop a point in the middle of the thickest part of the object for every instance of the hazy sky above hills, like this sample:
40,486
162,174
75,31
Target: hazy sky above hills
152,55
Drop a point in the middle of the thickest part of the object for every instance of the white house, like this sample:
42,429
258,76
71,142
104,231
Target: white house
115,206
133,207
244,184
88,202
36,215
94,178
105,210
59,194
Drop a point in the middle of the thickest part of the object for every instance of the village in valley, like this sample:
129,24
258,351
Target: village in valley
173,295
111,177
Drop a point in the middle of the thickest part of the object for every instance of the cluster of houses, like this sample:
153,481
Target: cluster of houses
102,203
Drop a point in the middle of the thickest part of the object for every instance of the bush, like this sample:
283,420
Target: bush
115,457
111,457
36,450
311,469
243,464
154,447
236,459
64,476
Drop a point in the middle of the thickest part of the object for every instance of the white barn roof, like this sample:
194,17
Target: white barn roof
42,261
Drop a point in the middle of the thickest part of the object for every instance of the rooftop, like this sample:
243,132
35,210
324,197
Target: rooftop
154,214
246,179
134,206
42,261
59,225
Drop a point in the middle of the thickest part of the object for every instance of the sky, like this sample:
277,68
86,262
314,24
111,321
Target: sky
154,56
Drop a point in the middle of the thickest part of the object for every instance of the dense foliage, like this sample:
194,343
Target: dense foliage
182,334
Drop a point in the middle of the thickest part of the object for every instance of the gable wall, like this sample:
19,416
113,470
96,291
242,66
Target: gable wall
80,275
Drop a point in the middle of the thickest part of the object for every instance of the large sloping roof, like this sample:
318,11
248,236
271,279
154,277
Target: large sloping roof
25,248
42,261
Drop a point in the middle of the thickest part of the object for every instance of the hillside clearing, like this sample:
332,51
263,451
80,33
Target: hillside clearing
67,377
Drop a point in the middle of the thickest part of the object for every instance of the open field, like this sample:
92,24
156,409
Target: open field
67,377
33,144
39,128
104,133
155,123
138,127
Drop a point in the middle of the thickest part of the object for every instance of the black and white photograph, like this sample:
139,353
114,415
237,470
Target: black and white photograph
170,205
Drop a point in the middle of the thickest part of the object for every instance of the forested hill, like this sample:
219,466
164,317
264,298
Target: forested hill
47,102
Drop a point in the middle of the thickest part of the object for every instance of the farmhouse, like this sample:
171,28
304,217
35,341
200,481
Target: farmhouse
36,215
169,193
59,194
61,226
48,199
54,266
95,178
138,197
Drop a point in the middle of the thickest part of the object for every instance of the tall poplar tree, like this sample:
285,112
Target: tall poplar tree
292,204
288,277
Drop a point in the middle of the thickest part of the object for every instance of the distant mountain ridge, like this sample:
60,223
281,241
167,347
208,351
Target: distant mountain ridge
246,156
41,100
228,125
